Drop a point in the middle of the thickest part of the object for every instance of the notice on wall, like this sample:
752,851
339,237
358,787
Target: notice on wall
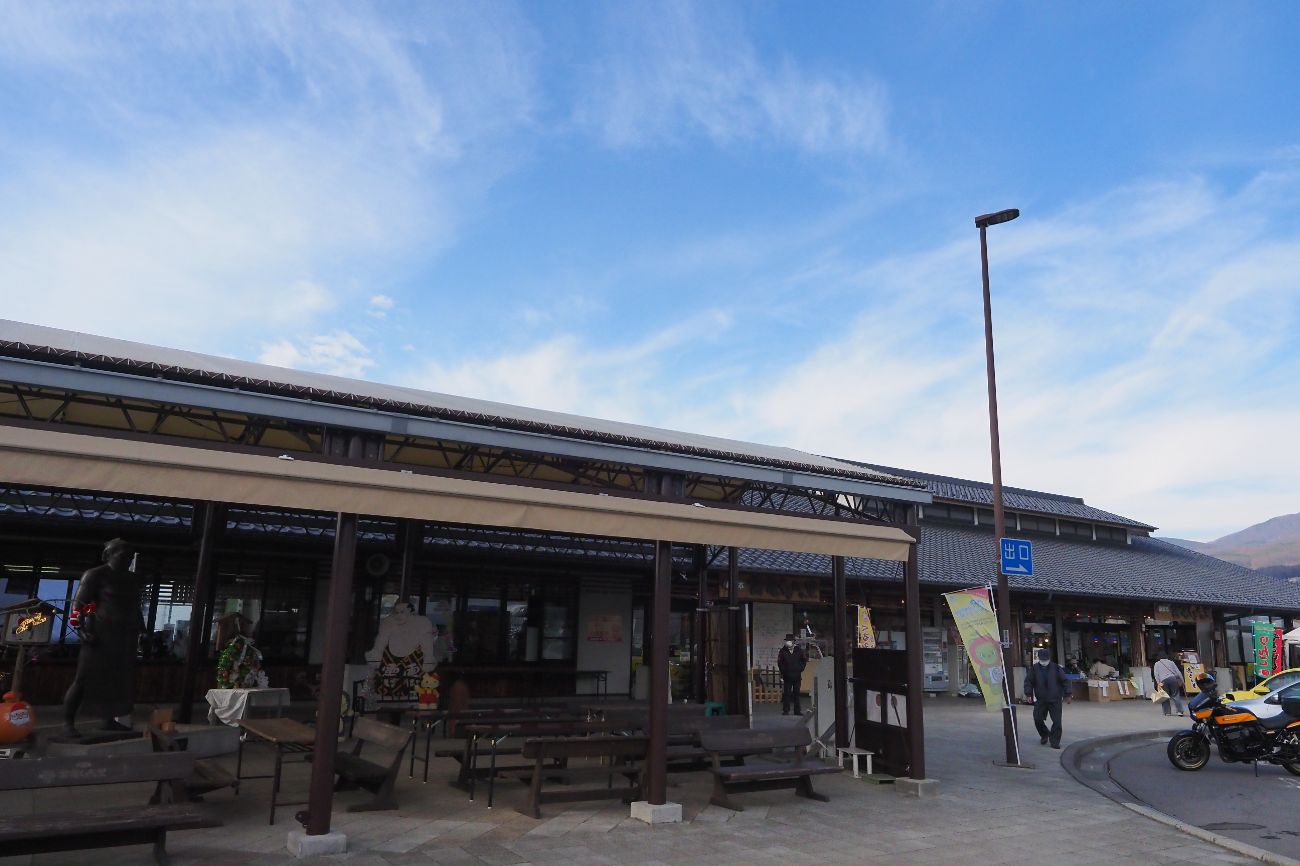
772,622
605,627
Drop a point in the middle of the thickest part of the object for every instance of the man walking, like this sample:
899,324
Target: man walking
1047,686
790,661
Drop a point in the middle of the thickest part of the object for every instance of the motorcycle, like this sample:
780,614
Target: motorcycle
1264,729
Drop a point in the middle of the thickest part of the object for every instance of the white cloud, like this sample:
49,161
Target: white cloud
338,353
673,69
237,171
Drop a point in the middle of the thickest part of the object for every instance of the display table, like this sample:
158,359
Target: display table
285,736
228,706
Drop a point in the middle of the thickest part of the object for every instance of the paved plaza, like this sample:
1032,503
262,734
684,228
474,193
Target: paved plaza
982,814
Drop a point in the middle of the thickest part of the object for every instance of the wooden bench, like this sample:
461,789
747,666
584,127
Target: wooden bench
684,749
207,776
105,826
378,778
762,776
625,756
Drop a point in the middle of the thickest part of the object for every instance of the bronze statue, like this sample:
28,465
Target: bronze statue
106,613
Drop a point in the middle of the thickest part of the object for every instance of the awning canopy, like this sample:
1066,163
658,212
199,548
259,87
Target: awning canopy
46,458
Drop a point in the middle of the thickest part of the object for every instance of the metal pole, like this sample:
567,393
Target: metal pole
410,534
657,755
999,517
736,663
915,653
701,615
841,640
200,611
321,793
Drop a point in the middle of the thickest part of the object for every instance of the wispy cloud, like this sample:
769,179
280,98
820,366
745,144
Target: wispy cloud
339,354
224,174
675,69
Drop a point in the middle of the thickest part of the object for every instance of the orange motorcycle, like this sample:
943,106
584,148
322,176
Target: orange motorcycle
1263,729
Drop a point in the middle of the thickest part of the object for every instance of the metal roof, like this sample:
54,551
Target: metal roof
1015,498
85,351
1147,569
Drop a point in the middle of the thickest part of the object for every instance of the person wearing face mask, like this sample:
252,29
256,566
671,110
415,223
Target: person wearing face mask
1047,686
791,661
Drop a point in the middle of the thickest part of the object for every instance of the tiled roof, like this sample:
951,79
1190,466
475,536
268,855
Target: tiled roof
1146,569
1016,498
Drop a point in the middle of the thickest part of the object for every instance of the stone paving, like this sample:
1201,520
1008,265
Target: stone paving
983,814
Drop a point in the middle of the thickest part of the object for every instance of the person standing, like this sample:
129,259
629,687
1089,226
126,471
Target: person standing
1166,673
791,661
1047,686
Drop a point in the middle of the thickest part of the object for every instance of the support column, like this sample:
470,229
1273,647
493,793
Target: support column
701,624
738,688
210,517
1058,633
915,654
839,636
410,535
656,809
317,817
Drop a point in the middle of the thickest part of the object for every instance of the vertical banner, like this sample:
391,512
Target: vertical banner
1264,652
972,611
866,632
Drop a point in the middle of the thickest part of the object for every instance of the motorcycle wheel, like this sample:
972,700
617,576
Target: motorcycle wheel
1188,751
1293,768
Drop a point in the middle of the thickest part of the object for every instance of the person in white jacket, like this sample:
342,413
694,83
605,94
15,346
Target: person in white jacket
1166,673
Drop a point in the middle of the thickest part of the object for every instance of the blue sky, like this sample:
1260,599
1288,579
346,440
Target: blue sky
749,220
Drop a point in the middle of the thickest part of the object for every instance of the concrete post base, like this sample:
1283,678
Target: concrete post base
301,845
917,787
666,813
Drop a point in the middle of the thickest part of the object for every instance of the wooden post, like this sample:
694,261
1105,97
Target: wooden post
201,610
657,756
321,794
915,653
839,635
1058,633
16,684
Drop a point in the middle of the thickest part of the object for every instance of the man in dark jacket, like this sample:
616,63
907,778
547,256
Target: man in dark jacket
1047,686
790,661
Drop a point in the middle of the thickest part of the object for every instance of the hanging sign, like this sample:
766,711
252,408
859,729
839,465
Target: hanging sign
866,631
972,611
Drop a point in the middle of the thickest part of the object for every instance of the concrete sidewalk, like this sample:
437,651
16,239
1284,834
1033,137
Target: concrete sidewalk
983,815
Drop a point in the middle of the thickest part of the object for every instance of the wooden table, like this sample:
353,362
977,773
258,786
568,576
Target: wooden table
287,737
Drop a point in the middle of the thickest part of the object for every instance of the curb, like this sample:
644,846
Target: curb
1233,845
1074,755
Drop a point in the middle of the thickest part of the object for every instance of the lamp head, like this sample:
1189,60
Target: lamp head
992,219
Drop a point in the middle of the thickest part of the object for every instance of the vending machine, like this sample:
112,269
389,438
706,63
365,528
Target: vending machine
934,662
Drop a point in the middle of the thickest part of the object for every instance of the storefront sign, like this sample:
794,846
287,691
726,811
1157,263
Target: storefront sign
605,627
795,590
866,631
1268,649
972,611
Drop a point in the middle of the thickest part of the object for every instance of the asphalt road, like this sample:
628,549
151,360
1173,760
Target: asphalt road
1225,798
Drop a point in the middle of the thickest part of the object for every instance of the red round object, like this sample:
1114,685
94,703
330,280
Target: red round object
17,721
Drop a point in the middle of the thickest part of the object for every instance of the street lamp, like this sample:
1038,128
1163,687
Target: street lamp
999,518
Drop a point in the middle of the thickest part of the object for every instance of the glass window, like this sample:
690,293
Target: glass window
479,626
557,632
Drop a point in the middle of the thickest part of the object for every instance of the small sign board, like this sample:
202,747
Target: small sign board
29,622
1017,556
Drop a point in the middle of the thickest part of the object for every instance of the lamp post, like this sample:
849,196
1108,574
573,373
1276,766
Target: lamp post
999,518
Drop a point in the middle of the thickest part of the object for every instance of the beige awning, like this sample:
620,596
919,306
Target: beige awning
55,459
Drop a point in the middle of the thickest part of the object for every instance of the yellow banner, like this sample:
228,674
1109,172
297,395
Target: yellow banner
866,633
972,610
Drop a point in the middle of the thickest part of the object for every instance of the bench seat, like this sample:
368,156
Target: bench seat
98,828
762,776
